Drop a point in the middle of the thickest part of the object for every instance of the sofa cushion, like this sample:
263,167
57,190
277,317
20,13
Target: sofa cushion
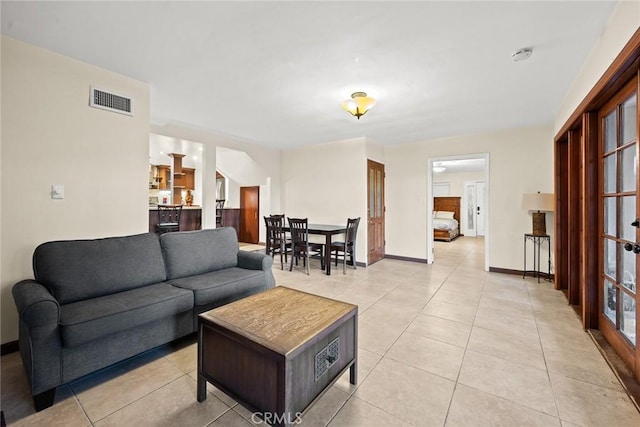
189,253
92,319
75,270
222,284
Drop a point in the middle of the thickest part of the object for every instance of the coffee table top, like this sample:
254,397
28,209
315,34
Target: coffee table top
281,319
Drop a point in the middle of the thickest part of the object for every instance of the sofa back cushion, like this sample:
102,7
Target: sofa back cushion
195,252
75,270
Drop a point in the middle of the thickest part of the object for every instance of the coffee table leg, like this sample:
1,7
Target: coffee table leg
202,389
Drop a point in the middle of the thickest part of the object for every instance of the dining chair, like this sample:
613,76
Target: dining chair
348,246
301,246
219,207
277,242
168,218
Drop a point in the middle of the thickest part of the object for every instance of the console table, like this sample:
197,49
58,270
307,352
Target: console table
537,240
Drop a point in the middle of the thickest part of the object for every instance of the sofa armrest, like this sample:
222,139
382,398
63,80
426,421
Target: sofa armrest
36,306
254,261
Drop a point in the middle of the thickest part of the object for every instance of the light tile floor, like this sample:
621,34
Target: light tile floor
440,345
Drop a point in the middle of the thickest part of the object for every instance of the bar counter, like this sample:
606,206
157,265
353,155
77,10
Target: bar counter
190,219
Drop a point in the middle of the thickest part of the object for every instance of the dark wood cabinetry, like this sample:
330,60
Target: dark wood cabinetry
230,217
190,219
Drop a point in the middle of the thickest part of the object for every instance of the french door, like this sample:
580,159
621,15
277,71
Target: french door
619,212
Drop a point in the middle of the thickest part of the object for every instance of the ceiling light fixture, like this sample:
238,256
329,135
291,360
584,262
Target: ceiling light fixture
359,104
437,168
521,54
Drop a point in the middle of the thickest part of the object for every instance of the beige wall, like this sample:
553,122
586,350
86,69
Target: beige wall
327,183
457,180
520,161
623,23
51,136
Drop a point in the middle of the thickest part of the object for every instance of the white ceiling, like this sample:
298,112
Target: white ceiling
274,73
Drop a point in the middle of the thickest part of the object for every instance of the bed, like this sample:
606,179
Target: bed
446,218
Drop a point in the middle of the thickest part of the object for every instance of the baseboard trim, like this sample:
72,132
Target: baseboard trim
9,347
505,271
405,258
543,275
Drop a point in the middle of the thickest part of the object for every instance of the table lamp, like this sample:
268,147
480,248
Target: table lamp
540,203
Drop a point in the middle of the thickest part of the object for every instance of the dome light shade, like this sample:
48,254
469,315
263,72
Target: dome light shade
359,104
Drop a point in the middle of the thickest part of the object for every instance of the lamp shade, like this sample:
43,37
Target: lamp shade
538,202
359,104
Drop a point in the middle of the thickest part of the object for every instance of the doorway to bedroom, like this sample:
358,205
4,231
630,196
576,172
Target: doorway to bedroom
458,202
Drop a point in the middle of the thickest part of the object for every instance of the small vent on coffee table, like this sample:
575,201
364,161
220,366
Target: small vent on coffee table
327,357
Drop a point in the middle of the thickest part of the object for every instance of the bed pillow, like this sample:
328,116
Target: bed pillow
444,215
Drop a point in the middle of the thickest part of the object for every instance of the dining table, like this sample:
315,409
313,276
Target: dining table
328,231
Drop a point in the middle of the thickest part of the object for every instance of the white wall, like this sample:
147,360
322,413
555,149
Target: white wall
457,180
51,136
327,183
623,23
521,161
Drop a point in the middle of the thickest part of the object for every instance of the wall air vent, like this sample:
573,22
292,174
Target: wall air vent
111,102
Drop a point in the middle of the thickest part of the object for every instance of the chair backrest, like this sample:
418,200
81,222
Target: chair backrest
299,229
352,229
169,214
274,224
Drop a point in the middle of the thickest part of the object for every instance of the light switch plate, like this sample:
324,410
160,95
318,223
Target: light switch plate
57,191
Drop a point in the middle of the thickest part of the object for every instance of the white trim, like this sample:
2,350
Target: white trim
430,180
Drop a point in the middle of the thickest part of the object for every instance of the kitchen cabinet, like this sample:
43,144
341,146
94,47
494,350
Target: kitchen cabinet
189,178
161,179
178,177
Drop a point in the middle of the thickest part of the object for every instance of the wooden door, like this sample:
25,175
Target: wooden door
375,210
619,233
249,208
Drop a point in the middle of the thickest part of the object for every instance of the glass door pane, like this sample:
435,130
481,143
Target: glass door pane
619,136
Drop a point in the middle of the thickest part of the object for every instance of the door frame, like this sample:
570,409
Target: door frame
623,67
430,180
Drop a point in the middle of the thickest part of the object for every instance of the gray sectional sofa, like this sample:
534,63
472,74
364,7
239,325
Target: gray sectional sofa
97,302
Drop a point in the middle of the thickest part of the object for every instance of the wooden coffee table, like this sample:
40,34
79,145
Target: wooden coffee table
278,351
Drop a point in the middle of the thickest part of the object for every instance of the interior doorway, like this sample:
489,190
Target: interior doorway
456,171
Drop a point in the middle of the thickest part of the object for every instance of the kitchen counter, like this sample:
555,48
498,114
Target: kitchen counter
184,208
190,219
